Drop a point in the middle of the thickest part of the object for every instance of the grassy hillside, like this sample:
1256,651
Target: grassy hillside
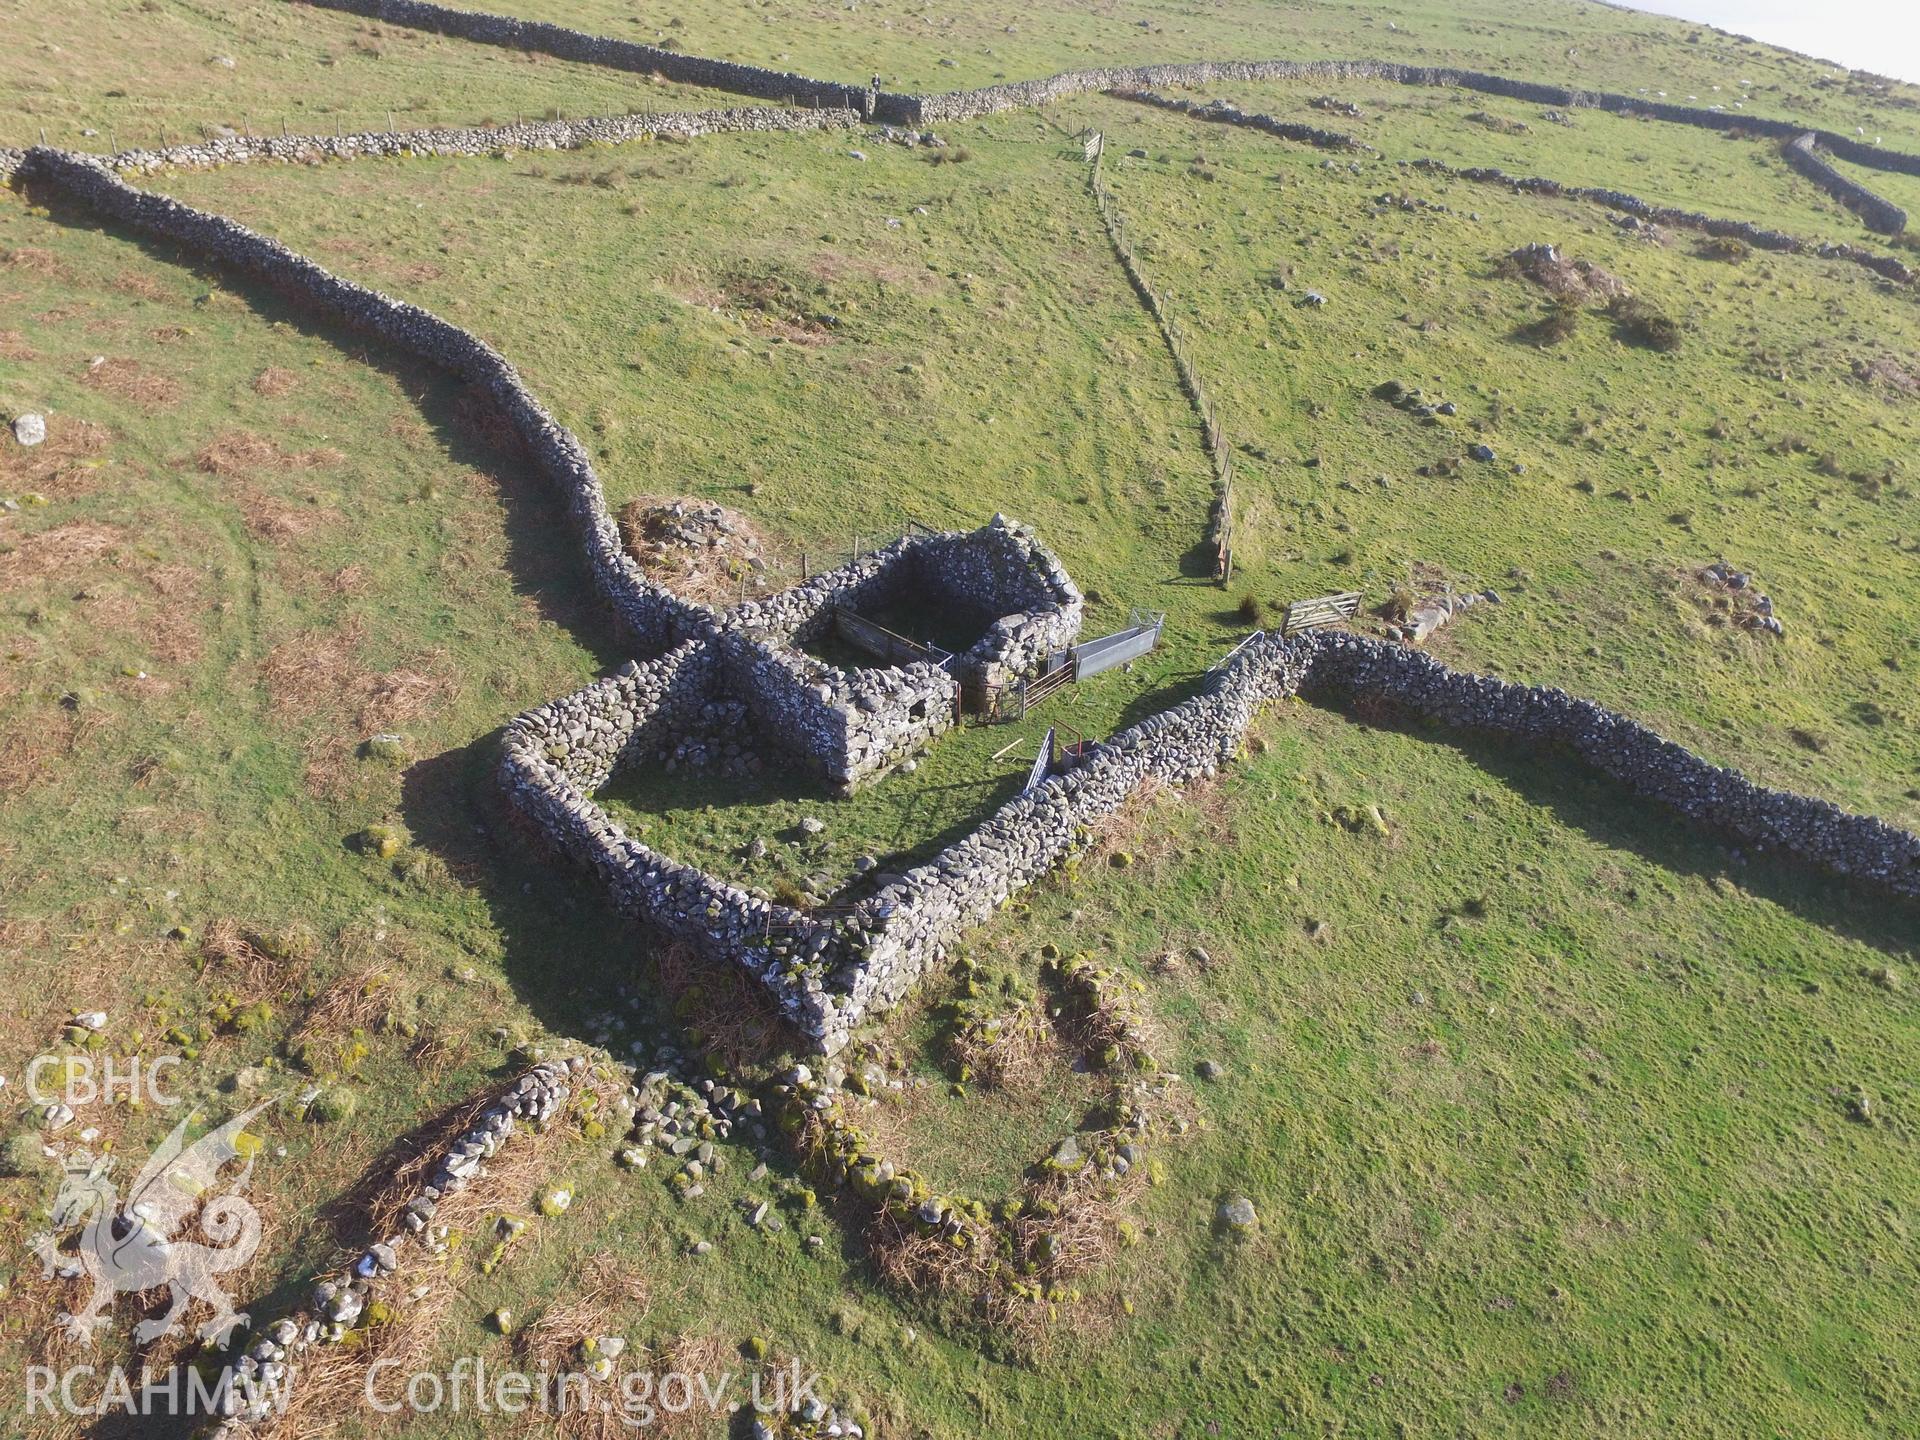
1559,1118
112,74
914,46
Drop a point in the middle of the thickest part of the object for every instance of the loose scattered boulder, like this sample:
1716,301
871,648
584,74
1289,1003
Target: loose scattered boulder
1237,1216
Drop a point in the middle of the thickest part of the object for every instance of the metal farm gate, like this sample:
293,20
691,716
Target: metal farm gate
1140,636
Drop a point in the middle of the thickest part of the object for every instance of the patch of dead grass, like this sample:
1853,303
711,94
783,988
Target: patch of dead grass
131,380
274,382
62,466
241,452
736,1016
167,633
1024,1050
604,1289
133,282
254,964
33,260
316,673
61,549
278,522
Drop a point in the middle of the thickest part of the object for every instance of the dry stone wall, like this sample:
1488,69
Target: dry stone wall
968,104
847,725
1876,213
1802,829
555,756
653,616
826,974
896,935
473,140
1003,571
1027,604
1759,236
921,110
1220,112
904,929
566,44
844,725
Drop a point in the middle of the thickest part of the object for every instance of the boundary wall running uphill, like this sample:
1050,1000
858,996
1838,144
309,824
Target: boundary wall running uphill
904,109
578,45
654,616
1219,537
1886,266
968,104
1877,213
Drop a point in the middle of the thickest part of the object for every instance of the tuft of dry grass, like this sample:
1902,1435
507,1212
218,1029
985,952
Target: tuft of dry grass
277,522
241,452
690,1355
144,287
603,1289
61,548
130,380
34,260
353,1002
315,674
252,963
932,1264
31,744
735,1016
274,382
1024,1052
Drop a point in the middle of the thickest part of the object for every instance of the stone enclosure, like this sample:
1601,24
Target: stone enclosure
714,688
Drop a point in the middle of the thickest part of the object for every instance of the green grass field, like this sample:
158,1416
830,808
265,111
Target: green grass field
1559,1118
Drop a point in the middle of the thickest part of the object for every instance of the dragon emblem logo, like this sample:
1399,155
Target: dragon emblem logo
138,1246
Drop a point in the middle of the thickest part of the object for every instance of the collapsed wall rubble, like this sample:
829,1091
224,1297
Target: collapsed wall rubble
252,1389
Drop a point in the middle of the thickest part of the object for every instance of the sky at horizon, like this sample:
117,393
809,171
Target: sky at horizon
1878,35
